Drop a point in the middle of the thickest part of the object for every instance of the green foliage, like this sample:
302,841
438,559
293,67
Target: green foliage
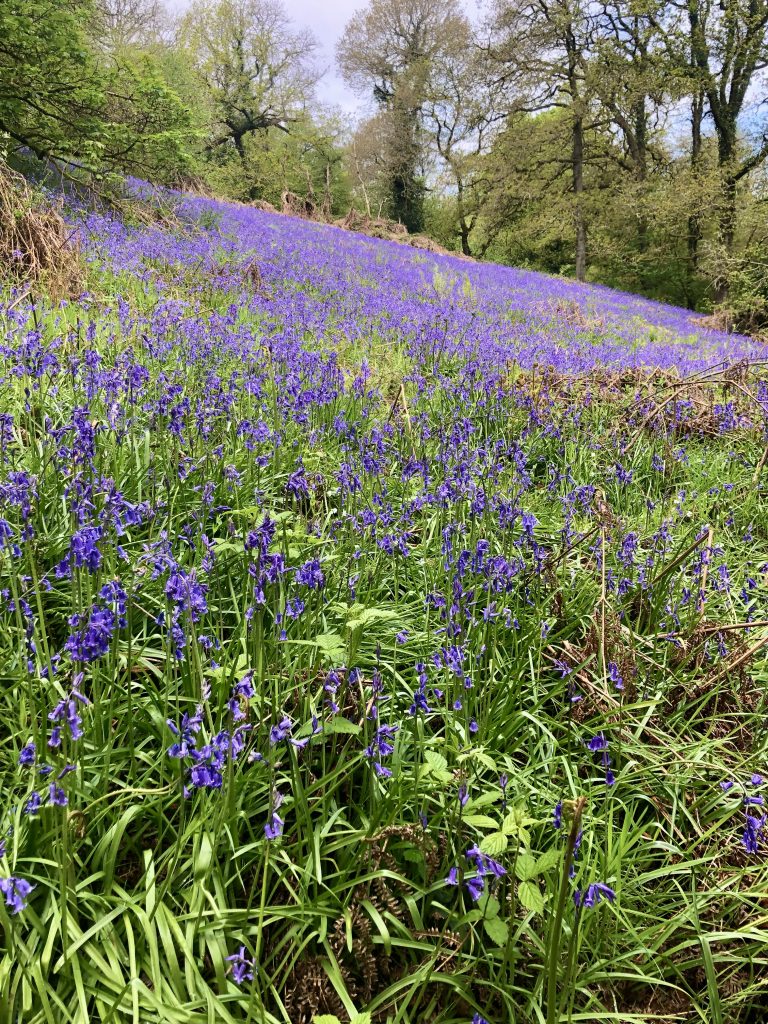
51,90
307,161
61,99
746,308
147,129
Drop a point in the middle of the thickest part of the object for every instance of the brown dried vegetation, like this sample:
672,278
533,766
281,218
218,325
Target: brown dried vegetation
37,247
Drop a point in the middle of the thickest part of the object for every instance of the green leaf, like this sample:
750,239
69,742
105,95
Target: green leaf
516,820
549,859
332,646
494,844
326,1018
482,800
481,821
436,763
223,547
525,867
360,1018
496,930
489,905
485,759
530,896
369,615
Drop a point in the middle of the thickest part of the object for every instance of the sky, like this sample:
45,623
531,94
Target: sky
327,19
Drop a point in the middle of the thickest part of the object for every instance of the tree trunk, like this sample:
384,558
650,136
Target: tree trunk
577,157
641,169
464,228
694,220
726,145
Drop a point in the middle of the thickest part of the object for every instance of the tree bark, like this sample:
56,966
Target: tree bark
577,157
726,146
694,221
640,159
464,228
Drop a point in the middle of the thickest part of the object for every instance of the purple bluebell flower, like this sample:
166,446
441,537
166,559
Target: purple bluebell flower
241,966
753,833
56,796
595,892
557,819
274,827
15,890
598,742
27,755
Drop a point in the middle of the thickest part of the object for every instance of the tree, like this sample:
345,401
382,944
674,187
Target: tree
365,159
729,47
722,49
543,50
62,101
51,89
389,51
632,80
119,24
308,161
461,112
146,128
258,72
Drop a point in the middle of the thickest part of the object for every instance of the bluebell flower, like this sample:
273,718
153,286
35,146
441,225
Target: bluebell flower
15,890
753,833
241,966
595,892
27,755
56,796
274,827
33,804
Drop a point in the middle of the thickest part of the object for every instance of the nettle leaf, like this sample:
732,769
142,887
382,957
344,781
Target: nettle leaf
489,905
549,859
332,646
226,547
525,867
481,800
530,896
436,763
360,1018
326,1018
359,616
496,930
248,512
494,844
515,822
481,821
341,726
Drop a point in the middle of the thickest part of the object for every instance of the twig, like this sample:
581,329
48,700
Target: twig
745,656
761,463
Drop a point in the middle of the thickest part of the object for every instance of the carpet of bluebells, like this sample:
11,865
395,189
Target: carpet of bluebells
383,640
